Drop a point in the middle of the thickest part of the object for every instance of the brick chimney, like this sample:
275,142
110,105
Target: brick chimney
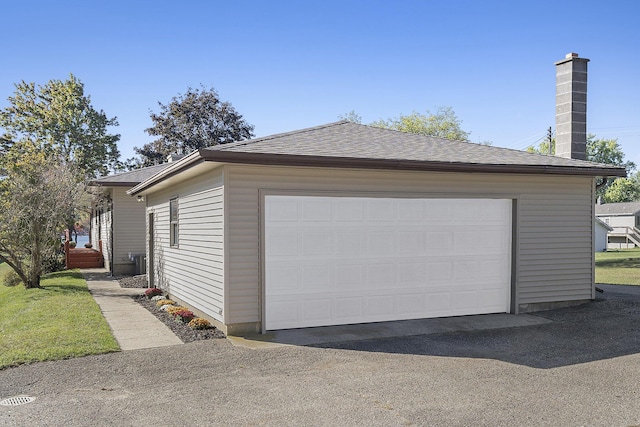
571,107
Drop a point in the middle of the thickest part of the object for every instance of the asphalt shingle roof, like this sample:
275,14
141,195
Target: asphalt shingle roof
349,145
627,208
129,178
355,141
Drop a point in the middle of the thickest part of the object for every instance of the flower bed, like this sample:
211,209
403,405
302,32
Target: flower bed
182,330
194,330
152,292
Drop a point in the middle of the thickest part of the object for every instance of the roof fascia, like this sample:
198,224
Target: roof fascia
113,184
347,162
182,164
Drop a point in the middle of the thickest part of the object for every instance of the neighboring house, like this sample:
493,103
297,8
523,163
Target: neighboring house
118,220
601,237
624,219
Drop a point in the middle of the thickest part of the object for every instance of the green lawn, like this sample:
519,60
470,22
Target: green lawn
60,321
620,267
3,267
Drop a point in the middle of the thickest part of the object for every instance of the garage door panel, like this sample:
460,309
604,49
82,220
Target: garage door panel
410,210
438,212
411,303
354,260
283,278
350,308
438,303
439,271
316,310
316,243
282,210
380,276
379,306
315,276
380,210
282,243
464,301
411,272
347,209
283,312
494,270
349,243
488,298
439,243
318,210
412,243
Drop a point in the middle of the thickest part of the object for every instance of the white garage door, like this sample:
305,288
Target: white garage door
342,260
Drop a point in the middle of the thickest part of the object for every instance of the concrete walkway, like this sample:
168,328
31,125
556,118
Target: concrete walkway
131,324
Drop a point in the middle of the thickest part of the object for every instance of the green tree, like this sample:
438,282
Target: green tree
623,190
443,124
59,118
192,121
543,148
607,151
351,116
599,150
34,188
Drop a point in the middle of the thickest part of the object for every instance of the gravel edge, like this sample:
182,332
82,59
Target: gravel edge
180,329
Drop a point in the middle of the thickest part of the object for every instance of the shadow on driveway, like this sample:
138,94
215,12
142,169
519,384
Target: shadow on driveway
605,328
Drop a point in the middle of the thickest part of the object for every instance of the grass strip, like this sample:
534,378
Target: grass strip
59,321
618,267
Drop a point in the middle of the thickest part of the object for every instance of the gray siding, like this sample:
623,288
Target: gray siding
129,235
619,220
107,250
554,223
600,237
101,230
194,270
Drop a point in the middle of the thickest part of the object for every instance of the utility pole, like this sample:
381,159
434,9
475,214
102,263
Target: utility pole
550,139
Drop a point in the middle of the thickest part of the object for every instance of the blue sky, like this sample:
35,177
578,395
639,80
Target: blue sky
286,65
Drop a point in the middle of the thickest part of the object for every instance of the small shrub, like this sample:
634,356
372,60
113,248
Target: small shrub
165,307
11,278
152,292
158,298
162,302
88,245
183,316
72,244
199,323
175,309
54,263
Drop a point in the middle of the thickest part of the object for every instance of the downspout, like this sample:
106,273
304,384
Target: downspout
111,236
91,224
605,179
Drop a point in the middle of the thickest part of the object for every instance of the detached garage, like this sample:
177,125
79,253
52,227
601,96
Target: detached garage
346,223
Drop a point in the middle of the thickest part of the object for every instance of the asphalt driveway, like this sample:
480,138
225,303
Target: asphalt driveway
582,368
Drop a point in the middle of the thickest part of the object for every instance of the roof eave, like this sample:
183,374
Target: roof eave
113,184
390,164
182,164
270,159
